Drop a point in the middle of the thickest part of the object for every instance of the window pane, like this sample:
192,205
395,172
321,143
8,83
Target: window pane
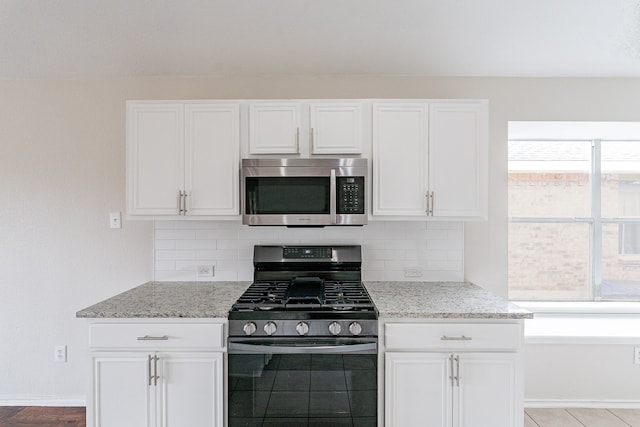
620,261
620,179
549,179
549,261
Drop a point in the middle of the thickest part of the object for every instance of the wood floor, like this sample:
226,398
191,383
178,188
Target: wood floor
32,416
582,417
40,416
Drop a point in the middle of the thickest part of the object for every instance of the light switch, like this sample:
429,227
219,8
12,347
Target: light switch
115,220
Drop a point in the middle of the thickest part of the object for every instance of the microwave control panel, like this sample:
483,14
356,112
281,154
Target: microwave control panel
350,194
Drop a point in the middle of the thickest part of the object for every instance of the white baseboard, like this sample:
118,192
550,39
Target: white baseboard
612,404
42,401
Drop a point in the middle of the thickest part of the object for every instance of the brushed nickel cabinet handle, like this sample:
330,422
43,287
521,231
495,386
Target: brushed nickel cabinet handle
149,376
153,338
155,370
460,338
433,202
451,376
184,197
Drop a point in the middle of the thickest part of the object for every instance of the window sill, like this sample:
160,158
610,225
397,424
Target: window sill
581,307
582,323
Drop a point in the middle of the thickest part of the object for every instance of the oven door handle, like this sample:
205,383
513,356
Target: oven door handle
316,349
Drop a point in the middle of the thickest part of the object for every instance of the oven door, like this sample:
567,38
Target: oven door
300,382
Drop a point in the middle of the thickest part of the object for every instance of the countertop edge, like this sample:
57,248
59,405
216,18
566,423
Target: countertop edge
174,300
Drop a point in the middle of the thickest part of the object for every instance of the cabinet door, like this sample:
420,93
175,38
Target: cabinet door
417,391
155,158
487,393
458,159
191,390
274,128
121,396
212,145
336,128
400,149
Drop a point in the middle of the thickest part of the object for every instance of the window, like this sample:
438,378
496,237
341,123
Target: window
574,211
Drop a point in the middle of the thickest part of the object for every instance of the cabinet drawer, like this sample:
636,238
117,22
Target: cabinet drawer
453,336
157,335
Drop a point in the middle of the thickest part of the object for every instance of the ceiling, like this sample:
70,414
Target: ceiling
113,38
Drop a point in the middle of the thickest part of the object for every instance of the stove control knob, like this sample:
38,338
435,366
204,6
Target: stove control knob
270,328
249,328
335,328
355,328
302,328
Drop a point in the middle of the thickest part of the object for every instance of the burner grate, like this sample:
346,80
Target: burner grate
336,296
263,296
347,296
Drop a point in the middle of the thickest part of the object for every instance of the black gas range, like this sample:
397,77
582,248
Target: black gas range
303,341
305,291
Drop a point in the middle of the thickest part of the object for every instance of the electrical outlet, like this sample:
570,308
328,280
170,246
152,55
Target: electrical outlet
205,271
412,272
60,353
636,355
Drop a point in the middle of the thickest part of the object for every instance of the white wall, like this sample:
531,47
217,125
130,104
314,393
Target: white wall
62,171
600,374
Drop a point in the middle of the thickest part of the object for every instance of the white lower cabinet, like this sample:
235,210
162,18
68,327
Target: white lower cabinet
156,384
457,389
462,384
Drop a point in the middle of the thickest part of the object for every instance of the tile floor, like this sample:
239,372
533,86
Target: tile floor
582,417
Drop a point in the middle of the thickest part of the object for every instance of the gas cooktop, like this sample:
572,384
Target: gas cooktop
305,294
305,288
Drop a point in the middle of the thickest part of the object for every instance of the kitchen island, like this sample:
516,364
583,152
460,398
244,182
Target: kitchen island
450,353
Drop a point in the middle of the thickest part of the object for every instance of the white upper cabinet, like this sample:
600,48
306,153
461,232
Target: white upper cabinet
430,159
336,128
155,158
274,128
458,158
400,149
305,128
182,158
212,158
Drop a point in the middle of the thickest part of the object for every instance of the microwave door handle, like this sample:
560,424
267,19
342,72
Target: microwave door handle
332,197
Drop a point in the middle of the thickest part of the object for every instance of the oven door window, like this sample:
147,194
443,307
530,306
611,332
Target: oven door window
302,389
287,195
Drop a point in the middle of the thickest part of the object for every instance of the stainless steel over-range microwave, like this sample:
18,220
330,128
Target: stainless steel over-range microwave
304,192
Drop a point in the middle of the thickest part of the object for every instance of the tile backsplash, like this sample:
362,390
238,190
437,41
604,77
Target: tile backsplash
390,249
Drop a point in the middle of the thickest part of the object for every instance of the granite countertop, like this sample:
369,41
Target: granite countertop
450,300
170,300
